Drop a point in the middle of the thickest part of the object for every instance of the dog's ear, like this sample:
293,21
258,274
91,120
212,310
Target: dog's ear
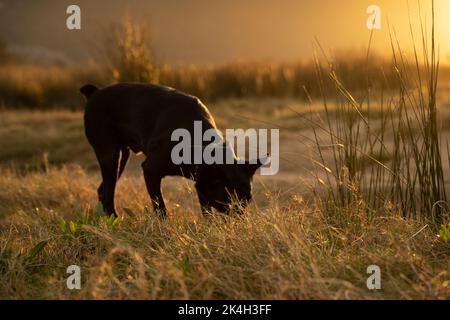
252,167
88,90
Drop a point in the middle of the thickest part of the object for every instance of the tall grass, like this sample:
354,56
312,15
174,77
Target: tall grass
31,86
42,87
129,52
386,151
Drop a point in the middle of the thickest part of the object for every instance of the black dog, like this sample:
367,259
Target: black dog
141,118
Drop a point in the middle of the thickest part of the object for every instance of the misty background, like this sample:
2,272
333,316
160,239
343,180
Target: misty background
211,32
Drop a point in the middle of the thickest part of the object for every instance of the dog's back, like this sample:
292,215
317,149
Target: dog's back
139,115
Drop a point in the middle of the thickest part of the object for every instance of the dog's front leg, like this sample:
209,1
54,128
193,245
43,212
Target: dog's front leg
153,184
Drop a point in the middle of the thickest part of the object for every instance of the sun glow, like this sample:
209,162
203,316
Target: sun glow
442,10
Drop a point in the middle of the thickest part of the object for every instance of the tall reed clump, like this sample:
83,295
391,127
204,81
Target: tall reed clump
385,151
129,52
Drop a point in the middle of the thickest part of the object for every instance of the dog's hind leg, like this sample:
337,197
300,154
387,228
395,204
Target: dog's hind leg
153,183
108,159
124,156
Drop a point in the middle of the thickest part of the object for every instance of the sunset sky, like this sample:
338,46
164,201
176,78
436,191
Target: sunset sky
218,31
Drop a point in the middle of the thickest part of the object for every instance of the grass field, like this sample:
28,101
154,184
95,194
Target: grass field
286,246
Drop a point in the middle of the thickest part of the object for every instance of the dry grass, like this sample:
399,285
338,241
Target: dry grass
284,247
42,87
24,85
286,250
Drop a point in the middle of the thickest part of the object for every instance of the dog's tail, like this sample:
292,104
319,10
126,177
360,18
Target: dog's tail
88,90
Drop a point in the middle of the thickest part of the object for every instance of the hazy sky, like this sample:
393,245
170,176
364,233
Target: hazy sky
216,31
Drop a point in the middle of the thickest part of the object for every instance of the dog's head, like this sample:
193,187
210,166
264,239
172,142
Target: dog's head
226,187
